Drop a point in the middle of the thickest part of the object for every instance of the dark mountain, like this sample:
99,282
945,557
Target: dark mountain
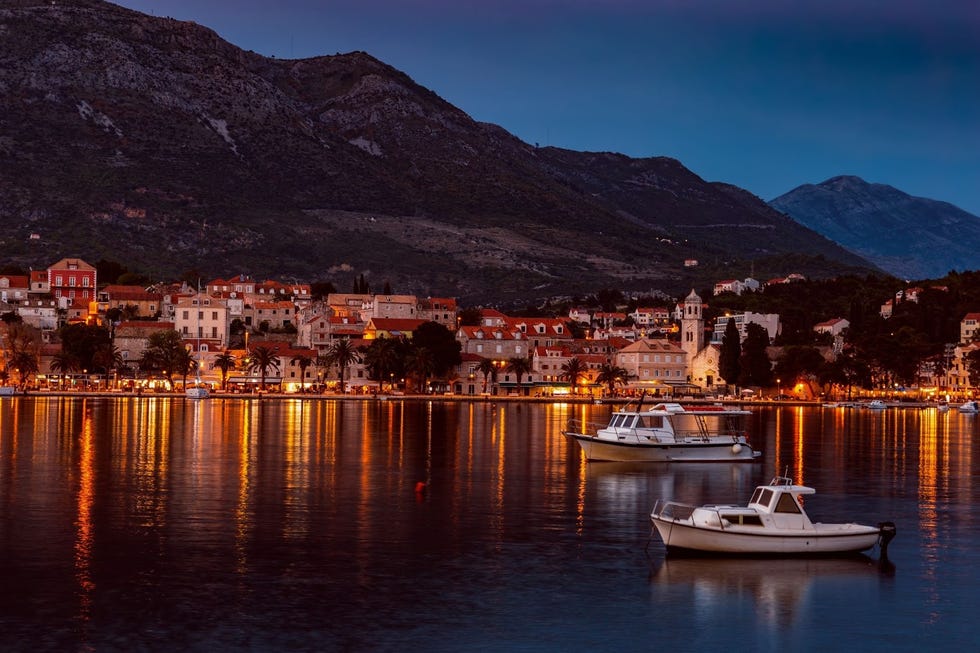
155,143
910,237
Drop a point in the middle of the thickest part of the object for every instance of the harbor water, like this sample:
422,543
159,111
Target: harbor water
166,524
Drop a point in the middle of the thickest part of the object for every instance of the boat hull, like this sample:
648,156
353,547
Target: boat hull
843,538
197,393
598,449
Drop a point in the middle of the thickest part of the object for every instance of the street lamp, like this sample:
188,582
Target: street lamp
779,392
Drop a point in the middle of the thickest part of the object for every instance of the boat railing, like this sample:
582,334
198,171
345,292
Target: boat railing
575,425
699,434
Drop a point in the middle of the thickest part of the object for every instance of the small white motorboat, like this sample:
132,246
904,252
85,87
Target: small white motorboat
667,432
970,407
877,404
773,523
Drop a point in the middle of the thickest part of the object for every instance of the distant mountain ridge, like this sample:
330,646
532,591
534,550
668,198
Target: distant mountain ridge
910,237
153,142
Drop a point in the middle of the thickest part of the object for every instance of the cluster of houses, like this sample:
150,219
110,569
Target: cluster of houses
664,350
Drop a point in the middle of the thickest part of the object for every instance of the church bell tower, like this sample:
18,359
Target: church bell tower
692,326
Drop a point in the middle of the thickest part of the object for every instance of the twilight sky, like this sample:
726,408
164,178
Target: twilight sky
764,94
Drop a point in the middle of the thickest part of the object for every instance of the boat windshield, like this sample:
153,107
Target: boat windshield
787,503
651,421
623,421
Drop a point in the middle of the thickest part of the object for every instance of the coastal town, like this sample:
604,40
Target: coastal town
64,331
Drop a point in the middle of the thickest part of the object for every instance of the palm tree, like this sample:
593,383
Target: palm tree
108,358
343,354
166,352
382,358
610,375
25,362
422,363
63,363
263,359
572,371
519,366
224,361
184,363
303,361
488,370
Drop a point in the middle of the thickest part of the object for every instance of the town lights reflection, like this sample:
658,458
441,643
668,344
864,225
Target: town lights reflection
85,475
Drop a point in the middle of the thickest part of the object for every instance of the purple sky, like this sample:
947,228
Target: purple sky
766,95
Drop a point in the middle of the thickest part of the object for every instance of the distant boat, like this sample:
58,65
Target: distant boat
970,407
877,404
7,390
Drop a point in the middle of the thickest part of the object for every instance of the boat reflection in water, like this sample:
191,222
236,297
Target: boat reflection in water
633,484
777,590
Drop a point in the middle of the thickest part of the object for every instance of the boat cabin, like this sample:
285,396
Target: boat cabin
777,505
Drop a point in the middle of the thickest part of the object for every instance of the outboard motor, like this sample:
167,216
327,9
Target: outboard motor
886,534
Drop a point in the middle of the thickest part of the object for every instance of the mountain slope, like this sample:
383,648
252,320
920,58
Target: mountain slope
155,143
910,237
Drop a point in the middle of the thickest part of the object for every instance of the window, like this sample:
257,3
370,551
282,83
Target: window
214,315
787,504
185,315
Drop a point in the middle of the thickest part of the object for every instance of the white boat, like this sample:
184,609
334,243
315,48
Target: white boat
667,432
7,390
877,404
970,407
942,406
773,523
197,391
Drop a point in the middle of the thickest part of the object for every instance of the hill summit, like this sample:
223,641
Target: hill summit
910,237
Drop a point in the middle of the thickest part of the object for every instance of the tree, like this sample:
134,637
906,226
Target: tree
320,289
343,354
165,352
63,363
756,369
488,370
303,361
729,366
799,363
361,286
421,363
573,371
83,340
973,367
611,375
224,361
24,346
263,359
383,358
184,363
519,366
26,364
442,346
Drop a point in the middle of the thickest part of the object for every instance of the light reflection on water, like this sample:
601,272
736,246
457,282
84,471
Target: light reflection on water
164,524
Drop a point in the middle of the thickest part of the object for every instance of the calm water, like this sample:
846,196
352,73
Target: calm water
159,524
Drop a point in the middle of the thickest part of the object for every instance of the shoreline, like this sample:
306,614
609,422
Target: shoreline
279,396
